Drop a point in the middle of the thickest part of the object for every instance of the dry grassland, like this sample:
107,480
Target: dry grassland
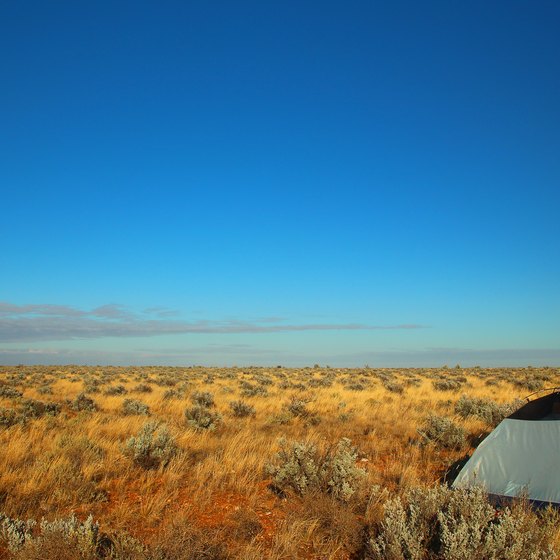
209,483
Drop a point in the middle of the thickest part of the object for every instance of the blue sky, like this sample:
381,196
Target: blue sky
280,183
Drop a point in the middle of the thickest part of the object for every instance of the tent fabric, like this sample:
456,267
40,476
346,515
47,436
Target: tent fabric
537,409
518,457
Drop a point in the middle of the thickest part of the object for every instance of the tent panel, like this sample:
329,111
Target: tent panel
519,456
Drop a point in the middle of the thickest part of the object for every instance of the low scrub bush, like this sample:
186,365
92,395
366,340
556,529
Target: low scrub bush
45,390
202,418
323,382
8,392
301,468
8,417
33,540
528,383
443,432
393,386
134,407
241,409
116,390
297,408
443,524
249,390
143,388
447,384
203,398
83,403
166,381
152,447
36,409
486,410
170,394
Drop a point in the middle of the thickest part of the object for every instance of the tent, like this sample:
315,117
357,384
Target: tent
521,456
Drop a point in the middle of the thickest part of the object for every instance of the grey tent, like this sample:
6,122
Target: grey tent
521,456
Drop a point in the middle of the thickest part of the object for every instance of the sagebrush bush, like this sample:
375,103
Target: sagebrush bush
445,524
203,398
447,384
116,390
32,408
172,394
45,390
132,407
143,388
8,392
29,539
300,467
202,418
248,390
297,408
8,417
487,410
84,403
241,409
359,385
443,432
528,383
152,447
393,386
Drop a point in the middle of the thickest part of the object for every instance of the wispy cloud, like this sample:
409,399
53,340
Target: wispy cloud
44,322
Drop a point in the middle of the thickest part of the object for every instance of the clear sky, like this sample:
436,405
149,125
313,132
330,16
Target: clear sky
280,183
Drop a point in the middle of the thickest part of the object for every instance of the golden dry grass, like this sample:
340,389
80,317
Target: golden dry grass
74,461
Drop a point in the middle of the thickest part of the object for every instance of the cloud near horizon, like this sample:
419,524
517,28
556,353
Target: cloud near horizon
48,322
245,355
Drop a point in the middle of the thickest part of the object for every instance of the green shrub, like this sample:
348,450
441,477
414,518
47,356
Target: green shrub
36,409
301,468
447,384
202,418
249,390
241,409
443,432
172,394
202,398
444,524
358,385
393,386
117,390
8,392
30,539
8,417
45,390
152,447
297,408
487,410
134,407
143,388
83,403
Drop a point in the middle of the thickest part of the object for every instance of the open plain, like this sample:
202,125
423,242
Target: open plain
249,463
